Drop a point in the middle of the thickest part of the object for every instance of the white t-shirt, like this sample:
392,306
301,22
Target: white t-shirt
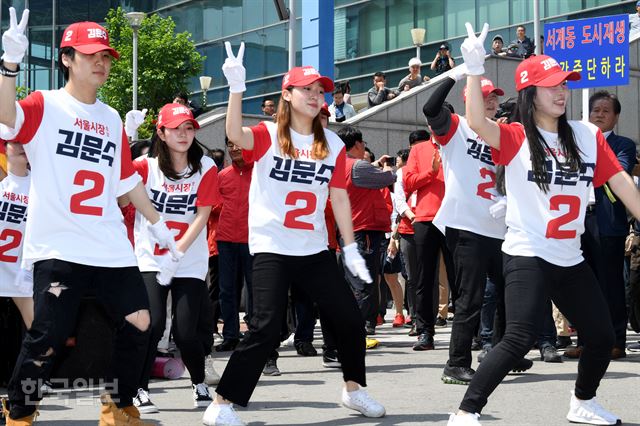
287,197
14,199
177,202
80,163
549,225
469,181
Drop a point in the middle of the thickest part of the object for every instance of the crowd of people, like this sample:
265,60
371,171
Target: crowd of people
515,224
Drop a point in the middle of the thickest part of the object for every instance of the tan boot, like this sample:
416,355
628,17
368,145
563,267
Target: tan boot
24,421
111,415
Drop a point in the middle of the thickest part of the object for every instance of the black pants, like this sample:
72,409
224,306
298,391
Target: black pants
57,292
318,276
605,255
408,248
429,241
529,281
475,257
367,294
214,289
192,323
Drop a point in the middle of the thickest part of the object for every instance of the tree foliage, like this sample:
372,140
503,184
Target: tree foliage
166,62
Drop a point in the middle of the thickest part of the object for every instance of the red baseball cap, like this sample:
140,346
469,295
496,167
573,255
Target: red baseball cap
303,76
88,38
543,71
325,110
173,115
487,89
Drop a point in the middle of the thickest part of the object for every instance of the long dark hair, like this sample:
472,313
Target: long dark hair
525,110
161,151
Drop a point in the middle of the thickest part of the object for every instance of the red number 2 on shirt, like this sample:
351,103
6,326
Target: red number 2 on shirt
553,227
291,219
180,227
76,205
16,238
484,186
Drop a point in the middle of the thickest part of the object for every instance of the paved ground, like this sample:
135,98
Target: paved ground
407,382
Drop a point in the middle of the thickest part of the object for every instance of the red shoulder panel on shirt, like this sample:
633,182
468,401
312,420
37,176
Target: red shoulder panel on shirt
208,194
126,166
142,167
443,140
33,108
261,143
607,163
511,138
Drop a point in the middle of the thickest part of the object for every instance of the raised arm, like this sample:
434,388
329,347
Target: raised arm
235,73
474,55
14,44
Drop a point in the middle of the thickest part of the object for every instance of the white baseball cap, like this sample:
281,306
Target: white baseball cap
415,61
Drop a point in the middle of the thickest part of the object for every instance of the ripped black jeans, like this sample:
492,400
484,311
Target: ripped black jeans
57,291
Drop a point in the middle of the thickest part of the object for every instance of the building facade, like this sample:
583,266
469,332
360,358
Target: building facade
369,35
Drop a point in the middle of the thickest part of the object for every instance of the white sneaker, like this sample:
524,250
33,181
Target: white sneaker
201,395
467,419
221,414
210,375
289,342
360,400
143,402
589,412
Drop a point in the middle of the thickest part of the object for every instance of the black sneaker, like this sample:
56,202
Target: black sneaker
550,354
563,342
271,368
424,343
441,322
143,403
330,359
457,375
522,365
201,395
305,349
227,345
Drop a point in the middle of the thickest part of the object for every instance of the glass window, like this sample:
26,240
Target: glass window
521,11
430,15
459,12
363,28
559,7
231,17
494,11
400,15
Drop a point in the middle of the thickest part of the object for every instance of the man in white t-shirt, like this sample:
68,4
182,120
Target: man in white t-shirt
75,238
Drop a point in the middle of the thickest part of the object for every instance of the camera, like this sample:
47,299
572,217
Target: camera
506,108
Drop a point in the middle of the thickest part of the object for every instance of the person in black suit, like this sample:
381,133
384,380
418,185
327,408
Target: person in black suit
606,225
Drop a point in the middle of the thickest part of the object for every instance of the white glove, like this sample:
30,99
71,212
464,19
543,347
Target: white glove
473,51
168,268
499,208
133,120
14,41
355,263
234,70
164,237
458,72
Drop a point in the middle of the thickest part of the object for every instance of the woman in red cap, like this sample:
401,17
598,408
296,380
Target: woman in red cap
550,165
182,183
297,166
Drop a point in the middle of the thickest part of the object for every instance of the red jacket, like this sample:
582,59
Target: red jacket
233,183
418,175
368,206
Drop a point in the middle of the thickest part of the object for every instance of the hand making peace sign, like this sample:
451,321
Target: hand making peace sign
234,70
473,51
14,40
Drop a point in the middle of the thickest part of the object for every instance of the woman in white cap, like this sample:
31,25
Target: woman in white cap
297,166
550,165
414,79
